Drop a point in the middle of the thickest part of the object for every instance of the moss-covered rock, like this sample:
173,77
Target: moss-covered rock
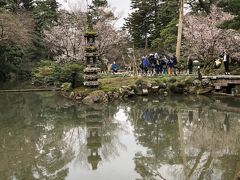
206,83
126,91
141,83
96,97
137,90
66,86
197,83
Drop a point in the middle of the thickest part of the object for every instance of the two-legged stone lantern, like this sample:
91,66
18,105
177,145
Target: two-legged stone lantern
91,55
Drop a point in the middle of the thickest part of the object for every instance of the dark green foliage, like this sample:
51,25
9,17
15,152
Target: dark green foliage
233,7
153,24
10,60
8,5
52,73
41,16
27,4
201,5
100,3
168,37
97,12
11,53
45,14
140,23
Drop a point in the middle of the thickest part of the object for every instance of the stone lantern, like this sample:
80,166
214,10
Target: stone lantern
91,55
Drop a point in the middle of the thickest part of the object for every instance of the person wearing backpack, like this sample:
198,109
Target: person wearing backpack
145,64
174,59
170,66
163,63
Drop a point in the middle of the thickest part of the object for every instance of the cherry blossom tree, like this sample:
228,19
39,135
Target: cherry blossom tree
15,28
205,40
67,39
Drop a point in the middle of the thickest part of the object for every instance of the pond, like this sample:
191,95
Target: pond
44,136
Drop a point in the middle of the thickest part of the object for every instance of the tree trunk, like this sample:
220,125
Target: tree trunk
180,30
146,41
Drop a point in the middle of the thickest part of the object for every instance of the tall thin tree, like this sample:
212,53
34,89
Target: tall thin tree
180,29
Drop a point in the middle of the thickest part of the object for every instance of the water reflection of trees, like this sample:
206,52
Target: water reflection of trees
188,138
40,134
185,138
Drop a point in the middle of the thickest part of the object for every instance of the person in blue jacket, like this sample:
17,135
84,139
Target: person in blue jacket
145,64
114,68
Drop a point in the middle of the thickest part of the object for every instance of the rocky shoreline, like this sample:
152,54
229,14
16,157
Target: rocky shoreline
142,88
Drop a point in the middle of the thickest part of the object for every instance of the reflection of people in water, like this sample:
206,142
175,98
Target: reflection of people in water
146,116
199,113
190,116
173,116
226,124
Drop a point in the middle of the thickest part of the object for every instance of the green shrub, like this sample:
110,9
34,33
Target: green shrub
50,73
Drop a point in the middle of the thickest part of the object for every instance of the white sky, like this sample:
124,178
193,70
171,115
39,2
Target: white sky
122,7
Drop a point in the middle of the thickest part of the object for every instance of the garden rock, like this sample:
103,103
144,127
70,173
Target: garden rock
96,97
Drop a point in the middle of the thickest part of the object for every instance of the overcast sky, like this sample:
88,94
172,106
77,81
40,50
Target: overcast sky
122,7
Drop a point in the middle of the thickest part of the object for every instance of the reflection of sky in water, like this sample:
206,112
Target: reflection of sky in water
121,166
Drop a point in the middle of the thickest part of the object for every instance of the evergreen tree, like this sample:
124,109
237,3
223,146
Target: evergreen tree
28,4
233,7
45,14
142,21
148,19
100,3
9,5
36,16
167,27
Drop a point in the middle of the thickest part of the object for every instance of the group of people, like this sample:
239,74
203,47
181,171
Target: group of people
154,64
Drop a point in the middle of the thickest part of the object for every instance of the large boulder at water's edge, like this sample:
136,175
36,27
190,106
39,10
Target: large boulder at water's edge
206,82
205,90
96,97
126,91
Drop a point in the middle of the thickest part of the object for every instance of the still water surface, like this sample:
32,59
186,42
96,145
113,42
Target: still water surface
44,136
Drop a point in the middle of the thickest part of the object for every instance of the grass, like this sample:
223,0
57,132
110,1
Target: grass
114,83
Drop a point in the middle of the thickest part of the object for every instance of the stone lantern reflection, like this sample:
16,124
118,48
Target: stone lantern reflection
94,125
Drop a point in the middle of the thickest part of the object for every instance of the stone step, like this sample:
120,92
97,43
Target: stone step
91,77
91,70
91,83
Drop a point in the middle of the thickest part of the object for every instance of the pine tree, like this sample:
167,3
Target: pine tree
148,19
233,7
167,28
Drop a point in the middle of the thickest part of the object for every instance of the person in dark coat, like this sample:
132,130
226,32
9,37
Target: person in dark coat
226,59
190,64
163,63
174,59
170,66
